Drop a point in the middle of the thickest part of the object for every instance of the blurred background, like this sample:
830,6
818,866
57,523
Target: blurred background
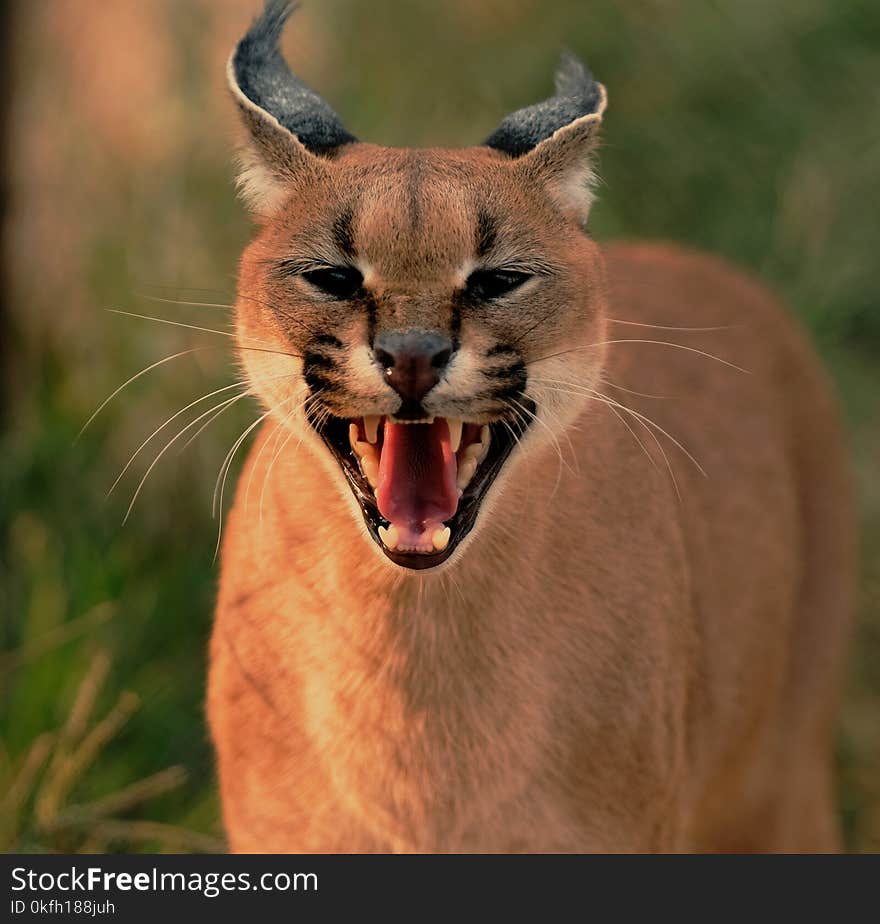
746,127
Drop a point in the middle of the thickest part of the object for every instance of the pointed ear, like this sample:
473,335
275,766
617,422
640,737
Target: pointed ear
554,140
291,131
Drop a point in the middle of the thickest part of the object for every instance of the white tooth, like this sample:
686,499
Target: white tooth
371,427
465,472
484,435
440,539
454,424
424,420
390,537
353,435
370,470
475,451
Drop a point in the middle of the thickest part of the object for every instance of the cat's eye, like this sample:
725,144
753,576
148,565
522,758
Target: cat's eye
338,281
487,284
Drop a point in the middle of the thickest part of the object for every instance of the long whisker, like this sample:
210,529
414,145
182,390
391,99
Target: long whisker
667,327
146,317
228,403
635,435
207,330
241,296
613,406
632,391
224,471
677,346
647,420
175,301
657,427
555,441
201,430
218,488
279,449
172,418
641,394
533,416
666,461
177,414
134,378
274,437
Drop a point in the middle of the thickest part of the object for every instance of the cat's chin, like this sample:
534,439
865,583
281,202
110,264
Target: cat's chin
420,484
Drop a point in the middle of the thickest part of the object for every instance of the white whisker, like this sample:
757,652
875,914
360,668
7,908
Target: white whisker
666,327
134,378
171,419
206,330
228,403
227,464
677,346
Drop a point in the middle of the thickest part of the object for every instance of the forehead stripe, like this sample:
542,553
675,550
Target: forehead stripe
487,232
343,235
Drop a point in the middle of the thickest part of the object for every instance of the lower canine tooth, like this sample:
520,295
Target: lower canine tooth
475,451
371,427
390,537
440,539
353,436
370,469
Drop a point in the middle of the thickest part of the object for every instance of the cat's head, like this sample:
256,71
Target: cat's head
423,317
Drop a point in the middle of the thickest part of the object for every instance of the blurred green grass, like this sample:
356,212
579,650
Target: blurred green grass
746,128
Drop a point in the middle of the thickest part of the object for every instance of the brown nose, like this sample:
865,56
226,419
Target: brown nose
413,361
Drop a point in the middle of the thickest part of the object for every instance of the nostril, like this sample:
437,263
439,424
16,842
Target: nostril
384,358
441,359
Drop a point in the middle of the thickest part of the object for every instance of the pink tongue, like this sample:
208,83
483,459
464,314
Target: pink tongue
417,470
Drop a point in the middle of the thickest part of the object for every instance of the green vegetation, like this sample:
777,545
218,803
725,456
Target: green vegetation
746,128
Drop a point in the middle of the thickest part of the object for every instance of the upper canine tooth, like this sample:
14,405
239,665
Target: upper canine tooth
371,427
455,425
440,539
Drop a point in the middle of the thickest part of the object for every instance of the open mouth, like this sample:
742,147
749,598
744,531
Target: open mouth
420,483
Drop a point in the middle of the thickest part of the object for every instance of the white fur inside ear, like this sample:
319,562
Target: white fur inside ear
259,187
575,190
564,162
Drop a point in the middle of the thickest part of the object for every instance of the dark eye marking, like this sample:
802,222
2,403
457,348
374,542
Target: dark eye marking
340,282
487,284
500,349
328,340
513,370
318,361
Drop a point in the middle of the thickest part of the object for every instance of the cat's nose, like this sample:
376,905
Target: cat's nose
413,360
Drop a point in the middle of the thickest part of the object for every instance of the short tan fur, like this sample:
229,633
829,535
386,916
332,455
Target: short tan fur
638,643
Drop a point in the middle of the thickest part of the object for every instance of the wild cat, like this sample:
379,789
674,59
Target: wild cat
554,550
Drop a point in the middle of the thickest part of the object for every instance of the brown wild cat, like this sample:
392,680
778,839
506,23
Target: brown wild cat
483,589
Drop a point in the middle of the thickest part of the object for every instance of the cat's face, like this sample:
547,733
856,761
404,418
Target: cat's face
421,317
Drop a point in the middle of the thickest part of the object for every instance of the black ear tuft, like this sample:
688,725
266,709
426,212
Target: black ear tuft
261,74
577,95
